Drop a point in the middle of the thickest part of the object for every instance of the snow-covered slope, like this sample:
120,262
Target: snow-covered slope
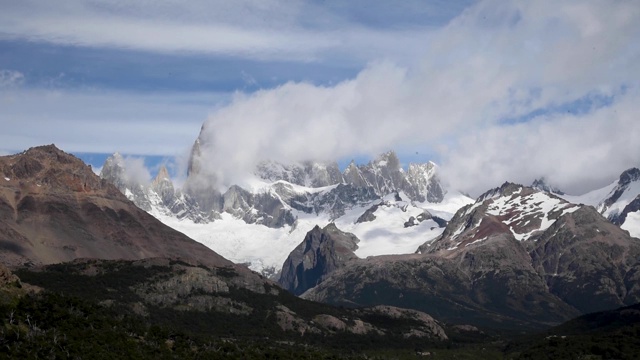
265,249
592,198
619,201
260,220
513,210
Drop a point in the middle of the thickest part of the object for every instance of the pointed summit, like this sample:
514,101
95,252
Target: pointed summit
541,184
163,174
194,158
163,186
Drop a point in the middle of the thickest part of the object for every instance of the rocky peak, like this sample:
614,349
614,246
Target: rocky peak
321,252
308,173
114,170
541,184
424,182
505,189
616,205
61,200
162,175
629,176
47,166
163,186
513,210
194,158
352,175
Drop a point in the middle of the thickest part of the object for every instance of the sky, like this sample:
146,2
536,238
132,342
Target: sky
491,90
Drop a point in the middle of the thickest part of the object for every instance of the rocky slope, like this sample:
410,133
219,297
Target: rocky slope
516,257
53,208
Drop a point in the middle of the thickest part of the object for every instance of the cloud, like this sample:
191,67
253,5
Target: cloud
575,153
270,29
135,170
492,66
10,78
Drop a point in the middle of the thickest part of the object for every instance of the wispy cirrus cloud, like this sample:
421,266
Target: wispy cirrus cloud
272,29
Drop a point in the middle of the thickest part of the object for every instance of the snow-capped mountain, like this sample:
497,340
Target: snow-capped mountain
619,201
391,210
522,212
518,254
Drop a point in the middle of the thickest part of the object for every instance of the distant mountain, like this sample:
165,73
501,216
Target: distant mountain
541,184
516,257
53,208
619,202
288,199
624,201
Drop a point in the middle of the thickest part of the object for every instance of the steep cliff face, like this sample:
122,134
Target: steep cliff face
55,209
321,252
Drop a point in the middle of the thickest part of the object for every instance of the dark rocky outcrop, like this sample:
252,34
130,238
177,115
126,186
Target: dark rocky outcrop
322,252
541,184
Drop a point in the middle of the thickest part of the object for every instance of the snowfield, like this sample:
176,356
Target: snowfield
265,249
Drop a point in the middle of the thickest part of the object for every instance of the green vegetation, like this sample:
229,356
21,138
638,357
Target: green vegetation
90,310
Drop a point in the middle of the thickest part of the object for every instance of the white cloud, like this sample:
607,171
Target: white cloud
496,61
10,78
136,171
272,29
575,153
450,88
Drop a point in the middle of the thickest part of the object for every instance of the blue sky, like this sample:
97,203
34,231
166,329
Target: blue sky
492,90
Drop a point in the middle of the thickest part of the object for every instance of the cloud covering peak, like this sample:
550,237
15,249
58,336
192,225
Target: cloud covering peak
505,91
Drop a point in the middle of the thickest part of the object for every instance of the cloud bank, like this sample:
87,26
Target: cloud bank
265,29
488,92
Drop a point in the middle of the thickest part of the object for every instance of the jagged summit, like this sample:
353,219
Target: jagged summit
163,175
622,200
542,185
307,173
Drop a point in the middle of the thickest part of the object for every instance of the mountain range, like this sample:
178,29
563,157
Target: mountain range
517,258
260,222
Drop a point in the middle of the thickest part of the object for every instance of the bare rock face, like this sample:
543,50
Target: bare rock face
385,176
54,209
428,327
308,173
321,252
589,263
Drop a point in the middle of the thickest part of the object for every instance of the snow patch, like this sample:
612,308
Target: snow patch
536,205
